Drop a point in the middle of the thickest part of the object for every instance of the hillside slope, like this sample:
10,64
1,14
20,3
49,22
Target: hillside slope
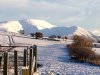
34,25
28,25
68,31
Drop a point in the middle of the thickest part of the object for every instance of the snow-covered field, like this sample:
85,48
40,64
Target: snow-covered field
54,60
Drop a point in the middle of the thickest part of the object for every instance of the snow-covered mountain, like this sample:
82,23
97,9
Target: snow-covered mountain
10,26
28,25
34,25
68,31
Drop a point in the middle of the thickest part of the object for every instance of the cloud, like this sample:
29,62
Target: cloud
85,13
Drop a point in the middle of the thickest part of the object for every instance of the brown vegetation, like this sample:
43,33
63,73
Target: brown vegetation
81,49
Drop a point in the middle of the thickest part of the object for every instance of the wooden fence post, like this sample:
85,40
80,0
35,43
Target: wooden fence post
12,40
5,66
30,62
9,40
25,71
15,63
35,55
25,58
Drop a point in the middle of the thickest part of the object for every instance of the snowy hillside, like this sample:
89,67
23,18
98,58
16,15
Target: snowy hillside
34,25
68,31
28,25
40,24
10,26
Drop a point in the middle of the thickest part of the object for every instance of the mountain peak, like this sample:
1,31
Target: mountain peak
29,25
40,24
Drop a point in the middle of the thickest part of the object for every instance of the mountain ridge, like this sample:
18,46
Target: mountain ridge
28,24
35,25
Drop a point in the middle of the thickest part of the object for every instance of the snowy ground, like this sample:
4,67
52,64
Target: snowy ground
53,58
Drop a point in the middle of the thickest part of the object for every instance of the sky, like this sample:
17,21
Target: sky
83,13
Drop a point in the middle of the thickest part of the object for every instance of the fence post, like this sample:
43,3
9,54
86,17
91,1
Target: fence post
25,58
5,67
9,40
30,62
35,55
15,63
12,40
25,71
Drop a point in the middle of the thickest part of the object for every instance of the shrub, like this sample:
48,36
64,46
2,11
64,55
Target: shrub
52,36
38,35
95,59
58,37
32,34
81,48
